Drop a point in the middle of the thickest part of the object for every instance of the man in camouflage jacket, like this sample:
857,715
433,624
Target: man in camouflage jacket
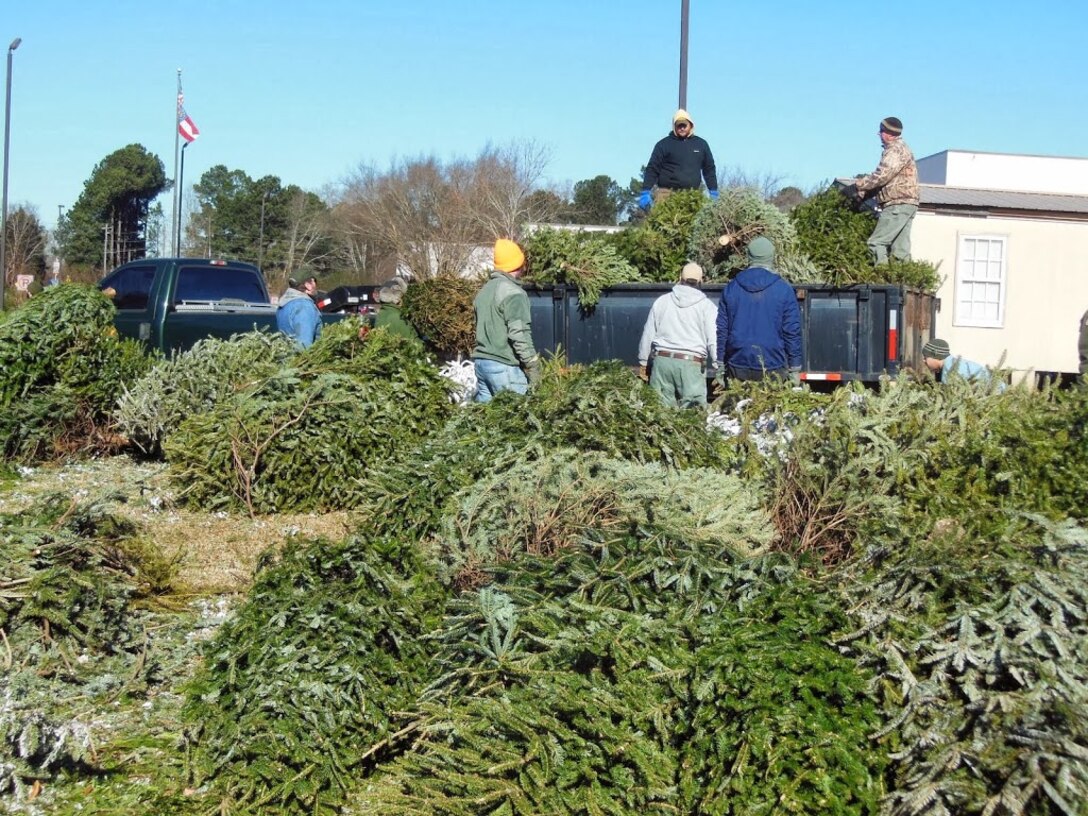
895,182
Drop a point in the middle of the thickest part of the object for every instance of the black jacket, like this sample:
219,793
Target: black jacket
677,163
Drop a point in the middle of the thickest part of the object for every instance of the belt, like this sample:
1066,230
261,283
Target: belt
680,355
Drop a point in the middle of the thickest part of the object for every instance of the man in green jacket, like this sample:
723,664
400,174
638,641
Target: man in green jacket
389,317
504,358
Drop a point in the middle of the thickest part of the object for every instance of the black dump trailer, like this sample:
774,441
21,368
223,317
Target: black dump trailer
361,300
848,333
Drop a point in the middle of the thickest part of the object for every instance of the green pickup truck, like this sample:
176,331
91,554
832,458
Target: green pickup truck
171,303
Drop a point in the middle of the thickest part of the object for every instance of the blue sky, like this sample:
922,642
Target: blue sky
310,91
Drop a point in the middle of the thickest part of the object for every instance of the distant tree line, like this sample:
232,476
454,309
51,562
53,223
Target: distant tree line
422,214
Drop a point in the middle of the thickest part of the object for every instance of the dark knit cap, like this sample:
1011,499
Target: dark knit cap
890,124
761,252
936,348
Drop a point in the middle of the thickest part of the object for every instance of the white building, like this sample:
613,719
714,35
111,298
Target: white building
1010,233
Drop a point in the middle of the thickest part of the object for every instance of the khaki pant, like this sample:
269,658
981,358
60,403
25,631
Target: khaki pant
892,233
681,383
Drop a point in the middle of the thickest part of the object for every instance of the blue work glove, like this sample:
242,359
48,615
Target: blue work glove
644,200
713,195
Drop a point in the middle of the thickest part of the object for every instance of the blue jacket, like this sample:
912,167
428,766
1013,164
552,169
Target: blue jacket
954,366
759,323
298,317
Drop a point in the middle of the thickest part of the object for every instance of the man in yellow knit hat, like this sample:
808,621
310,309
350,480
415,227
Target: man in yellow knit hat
677,163
504,358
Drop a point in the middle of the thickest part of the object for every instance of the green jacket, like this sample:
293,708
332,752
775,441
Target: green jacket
503,330
390,318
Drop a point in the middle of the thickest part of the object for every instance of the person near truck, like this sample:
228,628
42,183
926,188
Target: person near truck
679,339
389,317
297,315
680,161
759,322
895,183
1082,348
941,361
504,357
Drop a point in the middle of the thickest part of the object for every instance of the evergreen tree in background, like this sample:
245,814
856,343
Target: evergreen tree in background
107,224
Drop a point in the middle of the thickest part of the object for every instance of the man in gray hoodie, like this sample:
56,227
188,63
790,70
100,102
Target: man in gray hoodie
681,339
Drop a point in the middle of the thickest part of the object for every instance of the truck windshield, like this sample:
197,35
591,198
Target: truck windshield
219,283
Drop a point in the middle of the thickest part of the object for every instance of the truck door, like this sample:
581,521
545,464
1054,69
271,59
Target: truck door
131,285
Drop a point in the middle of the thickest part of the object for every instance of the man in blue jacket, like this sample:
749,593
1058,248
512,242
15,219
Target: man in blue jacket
297,315
759,323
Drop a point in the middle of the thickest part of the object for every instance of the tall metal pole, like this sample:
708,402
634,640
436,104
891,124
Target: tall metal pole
260,239
181,180
56,244
684,54
7,142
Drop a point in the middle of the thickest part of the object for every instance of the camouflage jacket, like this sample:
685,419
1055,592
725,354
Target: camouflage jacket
895,178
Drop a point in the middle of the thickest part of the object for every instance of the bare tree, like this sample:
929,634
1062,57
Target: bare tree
503,183
353,249
765,183
431,217
26,240
307,235
418,212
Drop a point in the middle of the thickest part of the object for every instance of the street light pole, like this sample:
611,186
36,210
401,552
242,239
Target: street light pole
684,54
7,140
260,238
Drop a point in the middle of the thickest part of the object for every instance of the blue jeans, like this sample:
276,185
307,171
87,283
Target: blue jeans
493,377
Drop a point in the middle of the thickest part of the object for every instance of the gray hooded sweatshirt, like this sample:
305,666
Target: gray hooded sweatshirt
684,320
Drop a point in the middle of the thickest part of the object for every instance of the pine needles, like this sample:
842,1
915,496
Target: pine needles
301,437
583,260
62,367
441,311
193,382
70,575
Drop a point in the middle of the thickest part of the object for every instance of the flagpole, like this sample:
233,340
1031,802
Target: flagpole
181,180
174,236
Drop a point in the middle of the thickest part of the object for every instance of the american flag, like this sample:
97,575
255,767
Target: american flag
186,127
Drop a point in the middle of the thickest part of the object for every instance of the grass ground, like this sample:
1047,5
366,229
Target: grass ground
215,553
137,763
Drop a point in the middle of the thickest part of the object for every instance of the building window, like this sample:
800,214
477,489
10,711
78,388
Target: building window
981,265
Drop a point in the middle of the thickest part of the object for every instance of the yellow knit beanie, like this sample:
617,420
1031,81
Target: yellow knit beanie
508,256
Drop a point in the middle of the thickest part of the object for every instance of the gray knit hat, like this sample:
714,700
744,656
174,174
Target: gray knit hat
760,252
936,348
392,291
